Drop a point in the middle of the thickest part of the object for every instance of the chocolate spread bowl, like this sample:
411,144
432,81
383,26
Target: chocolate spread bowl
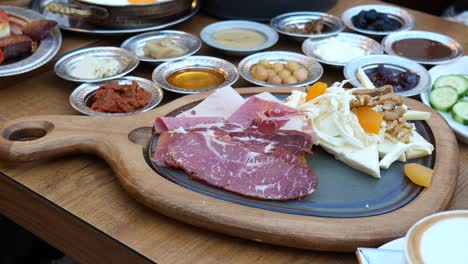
81,98
424,52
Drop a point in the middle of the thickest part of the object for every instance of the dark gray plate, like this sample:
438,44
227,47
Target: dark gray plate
343,192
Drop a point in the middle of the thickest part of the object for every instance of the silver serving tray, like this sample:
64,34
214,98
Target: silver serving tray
80,96
314,68
161,72
127,59
389,61
208,31
405,18
457,49
280,22
81,25
367,44
46,51
136,43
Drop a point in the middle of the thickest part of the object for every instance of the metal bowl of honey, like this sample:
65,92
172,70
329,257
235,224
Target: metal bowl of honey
195,74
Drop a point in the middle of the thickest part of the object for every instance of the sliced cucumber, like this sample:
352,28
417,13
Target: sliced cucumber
456,81
443,98
460,112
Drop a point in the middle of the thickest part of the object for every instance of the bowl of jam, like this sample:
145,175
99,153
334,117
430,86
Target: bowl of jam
423,47
195,74
407,77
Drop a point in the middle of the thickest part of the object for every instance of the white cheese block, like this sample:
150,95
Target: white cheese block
416,115
386,146
362,159
4,29
422,149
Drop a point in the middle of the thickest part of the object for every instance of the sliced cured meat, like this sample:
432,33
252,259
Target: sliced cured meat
164,124
222,103
272,121
254,105
235,167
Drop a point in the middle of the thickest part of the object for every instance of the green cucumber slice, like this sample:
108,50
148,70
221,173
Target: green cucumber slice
460,112
456,81
443,98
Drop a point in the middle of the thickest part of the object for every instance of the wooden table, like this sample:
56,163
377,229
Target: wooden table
76,204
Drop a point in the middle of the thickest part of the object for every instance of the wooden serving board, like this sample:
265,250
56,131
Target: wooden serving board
122,140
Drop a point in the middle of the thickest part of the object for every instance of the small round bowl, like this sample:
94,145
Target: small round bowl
393,62
314,68
457,49
369,45
136,44
208,32
80,97
65,65
406,19
280,23
227,69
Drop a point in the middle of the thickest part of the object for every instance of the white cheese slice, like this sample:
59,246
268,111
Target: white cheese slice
422,149
296,99
416,115
362,159
386,146
365,81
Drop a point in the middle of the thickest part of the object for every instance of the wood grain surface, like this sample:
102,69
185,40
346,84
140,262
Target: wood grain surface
113,139
85,203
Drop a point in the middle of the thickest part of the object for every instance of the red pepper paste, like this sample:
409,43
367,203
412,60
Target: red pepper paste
114,98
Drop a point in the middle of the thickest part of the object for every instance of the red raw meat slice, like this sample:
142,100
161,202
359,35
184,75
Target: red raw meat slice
248,110
164,124
241,168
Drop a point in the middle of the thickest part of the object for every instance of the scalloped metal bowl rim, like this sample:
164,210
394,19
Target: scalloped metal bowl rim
35,60
164,74
157,90
410,23
340,26
247,76
393,60
271,39
307,41
129,68
387,45
190,52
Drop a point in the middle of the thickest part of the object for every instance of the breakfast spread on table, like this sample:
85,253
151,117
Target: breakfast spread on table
262,146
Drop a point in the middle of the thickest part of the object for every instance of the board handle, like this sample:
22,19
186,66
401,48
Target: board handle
44,137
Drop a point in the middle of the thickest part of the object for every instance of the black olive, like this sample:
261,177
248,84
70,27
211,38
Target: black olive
371,14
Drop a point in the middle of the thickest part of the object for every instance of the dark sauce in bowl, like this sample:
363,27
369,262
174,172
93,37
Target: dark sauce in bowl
422,49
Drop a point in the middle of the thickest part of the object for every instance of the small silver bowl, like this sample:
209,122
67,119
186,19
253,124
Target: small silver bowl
136,44
368,45
314,68
81,96
281,22
128,60
392,62
457,49
406,19
163,71
270,35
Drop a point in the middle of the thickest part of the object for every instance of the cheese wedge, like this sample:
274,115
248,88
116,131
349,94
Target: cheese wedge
362,159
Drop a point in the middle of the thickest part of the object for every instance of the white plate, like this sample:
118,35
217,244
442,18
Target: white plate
207,36
397,244
459,66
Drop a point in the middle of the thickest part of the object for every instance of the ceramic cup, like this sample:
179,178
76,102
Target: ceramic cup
438,238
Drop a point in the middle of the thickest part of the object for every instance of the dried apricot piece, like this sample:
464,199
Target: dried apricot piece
370,120
316,90
419,174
